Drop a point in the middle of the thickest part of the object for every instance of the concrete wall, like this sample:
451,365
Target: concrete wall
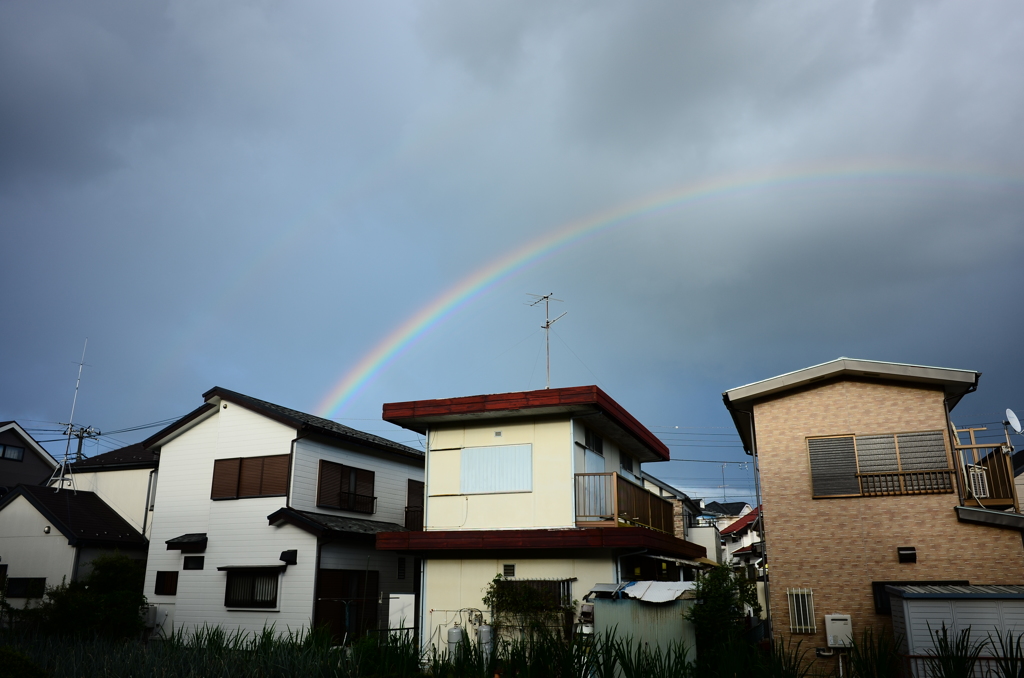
548,504
28,551
837,547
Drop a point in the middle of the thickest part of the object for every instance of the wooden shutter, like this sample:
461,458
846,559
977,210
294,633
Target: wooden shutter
275,475
250,476
833,467
328,492
225,479
364,482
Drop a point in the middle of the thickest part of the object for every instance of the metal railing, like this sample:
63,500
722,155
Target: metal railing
890,483
985,473
608,500
414,518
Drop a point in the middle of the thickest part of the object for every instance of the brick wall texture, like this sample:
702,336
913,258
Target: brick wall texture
837,547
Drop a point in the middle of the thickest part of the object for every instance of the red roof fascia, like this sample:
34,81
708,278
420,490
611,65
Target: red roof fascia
581,538
401,413
740,523
745,549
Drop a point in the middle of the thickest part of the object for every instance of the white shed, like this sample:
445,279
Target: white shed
987,610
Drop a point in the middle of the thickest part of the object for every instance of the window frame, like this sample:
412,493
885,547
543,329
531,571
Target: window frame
34,587
805,610
466,489
192,563
347,476
4,455
166,583
252,603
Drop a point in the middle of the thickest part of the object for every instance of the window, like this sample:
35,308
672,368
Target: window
346,488
166,584
12,452
801,611
877,465
592,441
256,587
193,563
401,568
626,462
508,570
497,469
26,587
244,477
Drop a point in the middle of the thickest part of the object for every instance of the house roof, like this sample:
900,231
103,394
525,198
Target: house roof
955,383
133,456
675,492
744,522
303,423
590,403
82,517
975,591
726,508
327,524
29,441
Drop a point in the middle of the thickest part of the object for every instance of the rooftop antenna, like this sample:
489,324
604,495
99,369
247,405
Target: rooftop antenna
548,322
62,474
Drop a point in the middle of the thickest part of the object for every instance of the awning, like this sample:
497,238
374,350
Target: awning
657,591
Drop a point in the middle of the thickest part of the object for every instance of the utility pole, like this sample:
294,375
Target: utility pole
548,322
80,432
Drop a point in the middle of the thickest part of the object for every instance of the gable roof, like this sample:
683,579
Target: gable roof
954,383
728,508
741,523
132,456
322,524
82,517
302,422
29,441
600,412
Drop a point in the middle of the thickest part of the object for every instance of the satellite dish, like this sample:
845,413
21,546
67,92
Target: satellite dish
1014,421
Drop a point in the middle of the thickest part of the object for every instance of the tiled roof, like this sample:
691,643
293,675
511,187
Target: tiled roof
743,522
325,522
300,420
80,516
133,456
190,538
731,508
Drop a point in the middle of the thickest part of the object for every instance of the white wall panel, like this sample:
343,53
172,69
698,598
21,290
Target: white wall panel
497,468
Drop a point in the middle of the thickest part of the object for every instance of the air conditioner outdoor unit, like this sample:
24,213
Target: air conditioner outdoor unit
977,478
149,616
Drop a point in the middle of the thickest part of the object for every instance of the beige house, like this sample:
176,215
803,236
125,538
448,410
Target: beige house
541,487
864,484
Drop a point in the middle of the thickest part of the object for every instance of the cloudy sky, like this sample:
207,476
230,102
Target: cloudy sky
256,195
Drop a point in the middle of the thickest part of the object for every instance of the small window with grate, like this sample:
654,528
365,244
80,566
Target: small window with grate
508,570
401,568
801,611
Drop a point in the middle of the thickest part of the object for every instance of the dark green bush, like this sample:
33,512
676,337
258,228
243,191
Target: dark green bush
14,664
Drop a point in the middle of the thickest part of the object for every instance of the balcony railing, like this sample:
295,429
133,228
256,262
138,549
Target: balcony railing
985,473
890,483
608,500
414,518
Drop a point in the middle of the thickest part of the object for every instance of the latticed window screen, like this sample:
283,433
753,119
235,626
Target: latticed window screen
833,466
801,611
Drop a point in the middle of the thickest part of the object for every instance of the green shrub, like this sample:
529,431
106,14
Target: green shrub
14,664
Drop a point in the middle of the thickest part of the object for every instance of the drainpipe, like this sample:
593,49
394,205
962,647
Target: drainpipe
149,495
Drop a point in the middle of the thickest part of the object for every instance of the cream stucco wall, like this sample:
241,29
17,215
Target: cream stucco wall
28,551
454,588
548,504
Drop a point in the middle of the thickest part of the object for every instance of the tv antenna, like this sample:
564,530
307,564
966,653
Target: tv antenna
548,322
62,474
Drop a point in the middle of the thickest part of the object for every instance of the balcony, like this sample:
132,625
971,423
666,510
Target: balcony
414,518
608,500
985,473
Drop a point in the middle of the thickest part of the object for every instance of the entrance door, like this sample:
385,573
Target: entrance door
346,602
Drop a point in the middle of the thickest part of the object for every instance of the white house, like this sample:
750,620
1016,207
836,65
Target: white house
266,516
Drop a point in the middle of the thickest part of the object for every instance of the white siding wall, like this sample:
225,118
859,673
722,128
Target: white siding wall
124,491
28,551
390,484
984,617
237,529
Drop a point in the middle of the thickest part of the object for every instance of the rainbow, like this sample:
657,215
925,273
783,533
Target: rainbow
479,282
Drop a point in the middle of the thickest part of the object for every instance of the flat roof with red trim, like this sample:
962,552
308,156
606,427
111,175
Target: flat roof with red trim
590,403
540,540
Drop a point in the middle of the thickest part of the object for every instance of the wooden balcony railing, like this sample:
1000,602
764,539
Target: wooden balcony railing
891,483
985,473
608,500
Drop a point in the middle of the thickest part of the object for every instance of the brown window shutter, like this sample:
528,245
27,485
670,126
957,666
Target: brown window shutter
364,483
329,489
250,476
225,479
275,475
415,497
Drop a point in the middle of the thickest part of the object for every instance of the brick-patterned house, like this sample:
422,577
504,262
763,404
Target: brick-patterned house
862,485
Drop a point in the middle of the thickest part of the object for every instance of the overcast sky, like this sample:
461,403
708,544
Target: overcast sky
254,195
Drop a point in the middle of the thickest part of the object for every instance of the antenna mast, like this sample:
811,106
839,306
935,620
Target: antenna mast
548,322
80,432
